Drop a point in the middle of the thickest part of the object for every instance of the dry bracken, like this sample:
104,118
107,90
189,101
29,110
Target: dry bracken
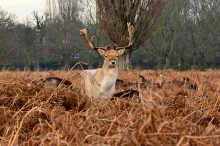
35,115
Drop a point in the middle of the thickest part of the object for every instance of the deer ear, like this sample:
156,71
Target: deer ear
101,52
147,80
140,79
121,51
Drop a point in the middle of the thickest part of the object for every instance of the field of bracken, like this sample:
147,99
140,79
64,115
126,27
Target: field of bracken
174,114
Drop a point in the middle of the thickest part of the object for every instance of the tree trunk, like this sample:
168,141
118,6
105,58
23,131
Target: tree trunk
204,61
194,58
167,62
124,61
159,63
36,68
121,61
27,68
128,59
66,65
37,65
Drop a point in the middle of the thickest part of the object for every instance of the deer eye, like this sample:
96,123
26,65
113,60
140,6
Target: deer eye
106,56
117,56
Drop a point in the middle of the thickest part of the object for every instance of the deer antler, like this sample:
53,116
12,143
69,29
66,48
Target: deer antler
84,35
130,32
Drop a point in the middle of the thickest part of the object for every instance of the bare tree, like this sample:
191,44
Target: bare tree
7,45
62,30
205,31
40,25
6,20
27,43
169,42
7,37
113,16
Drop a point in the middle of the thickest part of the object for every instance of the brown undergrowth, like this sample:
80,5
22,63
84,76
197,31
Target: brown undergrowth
34,115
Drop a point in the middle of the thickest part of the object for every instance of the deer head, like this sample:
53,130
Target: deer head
160,81
143,84
111,56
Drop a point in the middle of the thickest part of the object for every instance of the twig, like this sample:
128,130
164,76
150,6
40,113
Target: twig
110,127
16,134
199,143
216,103
202,137
202,117
154,134
211,121
15,114
180,141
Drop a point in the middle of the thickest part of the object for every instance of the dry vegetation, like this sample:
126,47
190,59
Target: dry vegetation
34,115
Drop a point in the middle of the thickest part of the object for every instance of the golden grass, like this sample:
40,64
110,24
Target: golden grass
34,115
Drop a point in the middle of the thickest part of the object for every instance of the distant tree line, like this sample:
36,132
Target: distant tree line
188,36
185,34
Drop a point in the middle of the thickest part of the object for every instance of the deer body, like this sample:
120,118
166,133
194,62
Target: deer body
100,83
55,82
104,82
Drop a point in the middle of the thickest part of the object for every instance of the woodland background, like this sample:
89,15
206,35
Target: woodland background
187,37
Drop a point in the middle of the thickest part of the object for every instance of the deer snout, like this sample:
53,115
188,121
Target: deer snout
112,63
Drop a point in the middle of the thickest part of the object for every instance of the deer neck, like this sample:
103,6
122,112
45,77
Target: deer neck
109,76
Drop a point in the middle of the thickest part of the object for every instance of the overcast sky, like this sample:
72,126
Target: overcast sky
23,8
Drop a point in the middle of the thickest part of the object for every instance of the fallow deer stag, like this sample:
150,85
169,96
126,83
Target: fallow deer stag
100,83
